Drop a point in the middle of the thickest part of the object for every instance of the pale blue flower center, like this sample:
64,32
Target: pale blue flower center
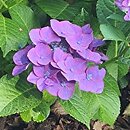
78,42
62,33
89,76
63,84
71,69
47,74
42,57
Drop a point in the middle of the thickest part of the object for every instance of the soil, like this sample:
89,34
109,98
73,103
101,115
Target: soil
66,122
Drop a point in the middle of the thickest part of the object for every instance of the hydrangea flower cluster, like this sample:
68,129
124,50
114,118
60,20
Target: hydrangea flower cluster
60,55
124,5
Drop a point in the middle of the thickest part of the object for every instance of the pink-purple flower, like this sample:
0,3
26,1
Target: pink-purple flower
59,55
92,80
21,60
124,5
41,54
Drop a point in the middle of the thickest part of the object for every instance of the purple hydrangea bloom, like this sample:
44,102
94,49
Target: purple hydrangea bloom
59,56
92,80
72,67
124,5
40,74
61,87
41,54
21,60
43,35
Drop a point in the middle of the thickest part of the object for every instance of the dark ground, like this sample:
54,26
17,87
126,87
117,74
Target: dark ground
65,122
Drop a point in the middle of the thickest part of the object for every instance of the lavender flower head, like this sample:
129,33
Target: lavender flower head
124,5
59,55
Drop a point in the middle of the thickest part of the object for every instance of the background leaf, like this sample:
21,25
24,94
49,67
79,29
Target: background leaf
6,4
106,9
17,96
117,69
63,10
42,111
111,33
14,32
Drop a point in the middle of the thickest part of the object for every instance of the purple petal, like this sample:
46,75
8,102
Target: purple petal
19,69
59,55
103,56
63,28
35,36
20,57
48,35
70,76
50,82
72,68
41,84
90,86
87,29
33,57
32,78
53,89
102,73
39,71
44,53
79,42
121,6
66,92
126,3
96,43
90,56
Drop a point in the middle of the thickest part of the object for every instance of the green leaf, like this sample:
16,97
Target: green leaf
26,115
24,17
17,96
81,18
84,106
111,33
116,68
10,35
112,69
112,83
123,82
122,70
61,9
116,17
6,4
126,57
53,8
14,32
42,111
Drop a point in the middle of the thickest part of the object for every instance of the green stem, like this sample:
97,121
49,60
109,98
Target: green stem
116,49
